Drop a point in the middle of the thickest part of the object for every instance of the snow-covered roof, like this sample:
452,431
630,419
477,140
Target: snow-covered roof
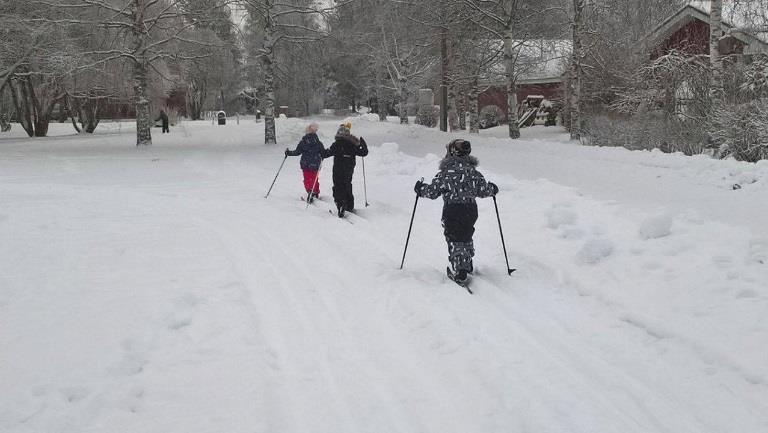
734,21
538,61
542,59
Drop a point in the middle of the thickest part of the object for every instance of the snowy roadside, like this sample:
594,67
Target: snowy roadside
156,290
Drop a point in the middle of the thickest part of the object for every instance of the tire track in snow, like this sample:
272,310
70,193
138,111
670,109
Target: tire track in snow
315,321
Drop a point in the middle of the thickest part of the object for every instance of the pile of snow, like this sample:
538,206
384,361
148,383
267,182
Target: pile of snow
370,117
656,227
595,250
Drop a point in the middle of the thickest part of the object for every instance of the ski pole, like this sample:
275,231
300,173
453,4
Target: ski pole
314,184
365,188
275,179
409,229
504,245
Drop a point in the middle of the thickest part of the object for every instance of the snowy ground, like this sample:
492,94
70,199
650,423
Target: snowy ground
156,290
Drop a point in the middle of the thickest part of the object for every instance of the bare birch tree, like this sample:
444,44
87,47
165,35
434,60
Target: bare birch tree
513,22
275,23
576,70
147,34
715,60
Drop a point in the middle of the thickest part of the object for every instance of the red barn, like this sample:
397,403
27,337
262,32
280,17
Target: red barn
541,65
687,31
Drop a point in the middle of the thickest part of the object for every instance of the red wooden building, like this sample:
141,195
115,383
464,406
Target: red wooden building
541,74
686,31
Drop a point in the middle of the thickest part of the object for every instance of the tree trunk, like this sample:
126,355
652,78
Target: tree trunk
577,56
380,103
402,108
509,67
89,119
474,118
716,62
73,116
453,119
382,108
461,111
196,93
143,115
140,74
270,134
34,115
267,59
445,57
20,99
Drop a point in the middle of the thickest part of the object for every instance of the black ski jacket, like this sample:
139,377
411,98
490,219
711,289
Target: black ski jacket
344,150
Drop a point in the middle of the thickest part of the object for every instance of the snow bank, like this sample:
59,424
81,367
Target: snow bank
156,290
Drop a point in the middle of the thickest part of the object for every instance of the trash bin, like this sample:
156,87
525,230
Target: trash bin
222,116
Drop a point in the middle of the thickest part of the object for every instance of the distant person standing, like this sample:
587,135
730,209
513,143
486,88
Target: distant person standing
164,118
345,150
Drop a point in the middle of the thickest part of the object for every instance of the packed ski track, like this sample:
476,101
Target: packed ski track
158,290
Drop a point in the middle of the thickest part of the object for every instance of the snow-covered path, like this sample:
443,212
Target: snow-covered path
156,290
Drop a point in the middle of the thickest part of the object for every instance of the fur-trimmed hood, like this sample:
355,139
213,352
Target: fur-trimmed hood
350,138
454,161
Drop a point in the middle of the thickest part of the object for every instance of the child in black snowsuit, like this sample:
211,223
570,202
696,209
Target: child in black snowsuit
310,148
459,183
345,151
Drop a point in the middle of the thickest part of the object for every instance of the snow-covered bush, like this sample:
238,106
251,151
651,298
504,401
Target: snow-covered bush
5,124
741,130
645,131
756,77
490,116
428,115
665,105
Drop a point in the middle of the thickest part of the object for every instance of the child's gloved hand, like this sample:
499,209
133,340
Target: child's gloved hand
286,151
493,188
417,187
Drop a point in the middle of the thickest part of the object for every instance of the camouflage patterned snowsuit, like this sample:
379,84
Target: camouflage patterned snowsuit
459,183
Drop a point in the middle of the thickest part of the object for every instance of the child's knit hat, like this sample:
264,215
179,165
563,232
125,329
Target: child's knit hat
344,129
459,147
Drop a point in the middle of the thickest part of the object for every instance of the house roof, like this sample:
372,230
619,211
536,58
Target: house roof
543,60
698,10
539,61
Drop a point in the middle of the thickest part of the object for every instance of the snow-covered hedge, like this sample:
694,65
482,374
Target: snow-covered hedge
645,131
742,130
428,115
490,116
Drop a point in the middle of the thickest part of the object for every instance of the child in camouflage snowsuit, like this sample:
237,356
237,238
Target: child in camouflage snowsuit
310,148
459,183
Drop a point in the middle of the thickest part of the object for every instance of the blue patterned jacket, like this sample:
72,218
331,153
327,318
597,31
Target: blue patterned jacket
310,148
